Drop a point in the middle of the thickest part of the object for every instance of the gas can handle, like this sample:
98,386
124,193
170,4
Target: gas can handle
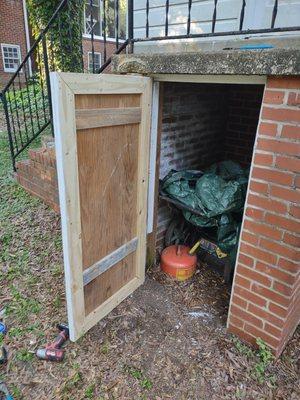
178,251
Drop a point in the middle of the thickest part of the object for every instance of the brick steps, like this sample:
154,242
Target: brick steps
37,175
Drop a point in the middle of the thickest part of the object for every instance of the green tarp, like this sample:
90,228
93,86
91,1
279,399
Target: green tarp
217,196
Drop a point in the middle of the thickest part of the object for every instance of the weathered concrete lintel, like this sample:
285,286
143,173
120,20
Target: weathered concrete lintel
227,62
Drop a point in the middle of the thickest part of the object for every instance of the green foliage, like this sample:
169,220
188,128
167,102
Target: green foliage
265,358
89,391
104,348
145,383
64,38
242,348
16,392
74,381
18,332
57,303
21,307
24,355
262,359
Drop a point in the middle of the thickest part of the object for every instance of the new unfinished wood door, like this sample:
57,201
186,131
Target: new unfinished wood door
102,125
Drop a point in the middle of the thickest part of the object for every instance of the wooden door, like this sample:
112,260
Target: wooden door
102,125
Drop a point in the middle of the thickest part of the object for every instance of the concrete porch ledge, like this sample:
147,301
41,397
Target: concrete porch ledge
227,62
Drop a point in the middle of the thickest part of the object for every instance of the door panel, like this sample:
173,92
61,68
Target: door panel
102,126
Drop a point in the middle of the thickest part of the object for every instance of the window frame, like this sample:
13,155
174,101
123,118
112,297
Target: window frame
100,37
18,47
88,59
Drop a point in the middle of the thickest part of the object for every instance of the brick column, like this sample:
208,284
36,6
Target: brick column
265,299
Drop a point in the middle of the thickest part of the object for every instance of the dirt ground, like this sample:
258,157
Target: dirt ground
166,341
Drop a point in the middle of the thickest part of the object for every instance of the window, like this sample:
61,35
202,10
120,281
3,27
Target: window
11,55
93,18
97,61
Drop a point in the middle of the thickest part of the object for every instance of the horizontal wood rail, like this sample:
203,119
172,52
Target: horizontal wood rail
98,118
109,261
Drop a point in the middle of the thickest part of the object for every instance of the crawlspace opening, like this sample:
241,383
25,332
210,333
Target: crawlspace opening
203,124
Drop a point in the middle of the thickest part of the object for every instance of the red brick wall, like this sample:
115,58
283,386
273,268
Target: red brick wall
266,289
244,103
38,175
98,48
193,123
12,31
203,124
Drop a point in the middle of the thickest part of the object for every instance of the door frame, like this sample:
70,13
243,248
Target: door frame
156,127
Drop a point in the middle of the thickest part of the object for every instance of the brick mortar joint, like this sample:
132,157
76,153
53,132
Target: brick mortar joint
254,336
276,267
253,282
263,319
264,322
269,197
267,251
278,137
268,276
275,241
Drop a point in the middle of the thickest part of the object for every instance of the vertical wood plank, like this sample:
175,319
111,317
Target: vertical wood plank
66,159
152,159
144,143
151,238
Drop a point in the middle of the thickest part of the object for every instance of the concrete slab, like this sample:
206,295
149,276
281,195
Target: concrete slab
220,62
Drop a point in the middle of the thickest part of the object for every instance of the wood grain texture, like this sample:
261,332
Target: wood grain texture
107,284
107,168
109,261
97,118
103,181
104,83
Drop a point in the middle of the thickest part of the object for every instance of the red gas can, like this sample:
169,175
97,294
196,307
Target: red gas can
178,263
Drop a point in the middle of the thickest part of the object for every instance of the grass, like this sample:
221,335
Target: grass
26,244
24,355
74,381
144,382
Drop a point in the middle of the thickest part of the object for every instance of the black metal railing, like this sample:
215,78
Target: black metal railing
27,96
107,29
214,19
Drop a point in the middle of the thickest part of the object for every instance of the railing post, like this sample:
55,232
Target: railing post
47,76
11,147
130,25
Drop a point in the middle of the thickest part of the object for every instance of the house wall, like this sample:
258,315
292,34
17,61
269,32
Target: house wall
12,31
98,48
266,288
